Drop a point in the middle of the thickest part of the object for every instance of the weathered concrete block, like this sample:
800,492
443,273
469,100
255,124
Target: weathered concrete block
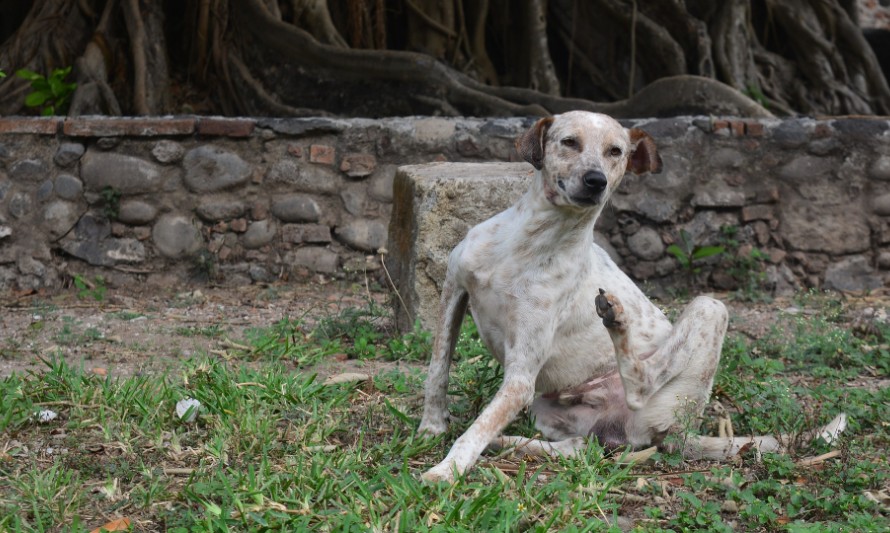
434,205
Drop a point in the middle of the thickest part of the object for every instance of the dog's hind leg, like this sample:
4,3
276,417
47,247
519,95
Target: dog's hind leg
674,381
452,309
539,448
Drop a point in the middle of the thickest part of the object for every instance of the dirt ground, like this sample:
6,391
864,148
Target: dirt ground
126,332
150,330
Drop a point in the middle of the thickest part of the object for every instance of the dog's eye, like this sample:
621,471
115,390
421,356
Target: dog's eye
615,151
569,142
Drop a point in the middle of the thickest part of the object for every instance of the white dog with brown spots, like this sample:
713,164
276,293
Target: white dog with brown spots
565,322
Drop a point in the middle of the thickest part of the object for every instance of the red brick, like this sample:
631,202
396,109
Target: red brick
225,127
720,125
358,165
135,127
738,128
239,225
754,129
142,232
40,126
322,153
821,130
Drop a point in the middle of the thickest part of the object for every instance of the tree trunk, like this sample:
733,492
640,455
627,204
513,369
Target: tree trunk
485,57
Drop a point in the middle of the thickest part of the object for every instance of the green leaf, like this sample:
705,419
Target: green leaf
707,251
680,254
29,75
36,99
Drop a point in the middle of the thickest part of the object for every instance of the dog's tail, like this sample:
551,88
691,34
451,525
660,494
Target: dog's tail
698,447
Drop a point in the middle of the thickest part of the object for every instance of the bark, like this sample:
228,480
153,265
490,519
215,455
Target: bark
314,15
542,74
145,23
486,57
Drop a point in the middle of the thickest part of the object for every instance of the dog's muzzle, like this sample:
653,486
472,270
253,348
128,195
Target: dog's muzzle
595,183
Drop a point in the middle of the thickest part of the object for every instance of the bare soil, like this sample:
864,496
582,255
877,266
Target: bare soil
153,330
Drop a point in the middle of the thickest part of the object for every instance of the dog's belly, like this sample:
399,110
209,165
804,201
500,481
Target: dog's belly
576,358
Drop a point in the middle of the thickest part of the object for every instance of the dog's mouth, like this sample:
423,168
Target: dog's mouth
586,200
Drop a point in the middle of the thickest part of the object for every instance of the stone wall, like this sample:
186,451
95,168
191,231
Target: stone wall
239,200
172,199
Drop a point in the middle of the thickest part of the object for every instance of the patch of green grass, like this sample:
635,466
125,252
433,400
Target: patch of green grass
274,449
125,316
212,331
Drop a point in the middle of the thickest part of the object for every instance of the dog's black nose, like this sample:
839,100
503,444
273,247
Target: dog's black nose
595,181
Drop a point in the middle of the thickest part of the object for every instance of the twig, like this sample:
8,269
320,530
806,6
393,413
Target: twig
382,252
810,461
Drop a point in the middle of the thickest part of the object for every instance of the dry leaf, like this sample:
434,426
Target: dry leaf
99,371
346,377
637,457
121,524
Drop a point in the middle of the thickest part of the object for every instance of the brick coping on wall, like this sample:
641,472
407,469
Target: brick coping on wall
217,126
100,126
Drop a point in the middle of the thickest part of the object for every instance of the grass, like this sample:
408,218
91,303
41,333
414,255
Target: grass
273,448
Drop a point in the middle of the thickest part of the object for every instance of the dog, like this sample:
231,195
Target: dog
565,322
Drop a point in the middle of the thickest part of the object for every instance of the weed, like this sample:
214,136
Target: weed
94,289
52,94
111,202
755,93
360,329
745,268
212,331
691,255
125,316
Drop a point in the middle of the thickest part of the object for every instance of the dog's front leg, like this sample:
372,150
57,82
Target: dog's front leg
515,393
451,314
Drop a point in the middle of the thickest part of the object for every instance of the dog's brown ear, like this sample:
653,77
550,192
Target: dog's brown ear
530,144
644,157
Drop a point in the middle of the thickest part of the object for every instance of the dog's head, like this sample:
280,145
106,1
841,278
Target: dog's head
583,156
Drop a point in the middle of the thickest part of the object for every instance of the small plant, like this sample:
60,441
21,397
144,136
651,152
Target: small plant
204,265
111,202
52,94
86,288
691,255
2,74
745,267
754,93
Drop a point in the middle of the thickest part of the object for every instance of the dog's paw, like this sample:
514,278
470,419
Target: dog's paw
441,473
609,309
430,428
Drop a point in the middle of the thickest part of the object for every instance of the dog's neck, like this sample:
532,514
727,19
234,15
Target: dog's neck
551,229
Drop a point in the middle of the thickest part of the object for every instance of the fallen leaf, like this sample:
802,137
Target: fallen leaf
121,524
99,371
880,497
729,506
346,377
